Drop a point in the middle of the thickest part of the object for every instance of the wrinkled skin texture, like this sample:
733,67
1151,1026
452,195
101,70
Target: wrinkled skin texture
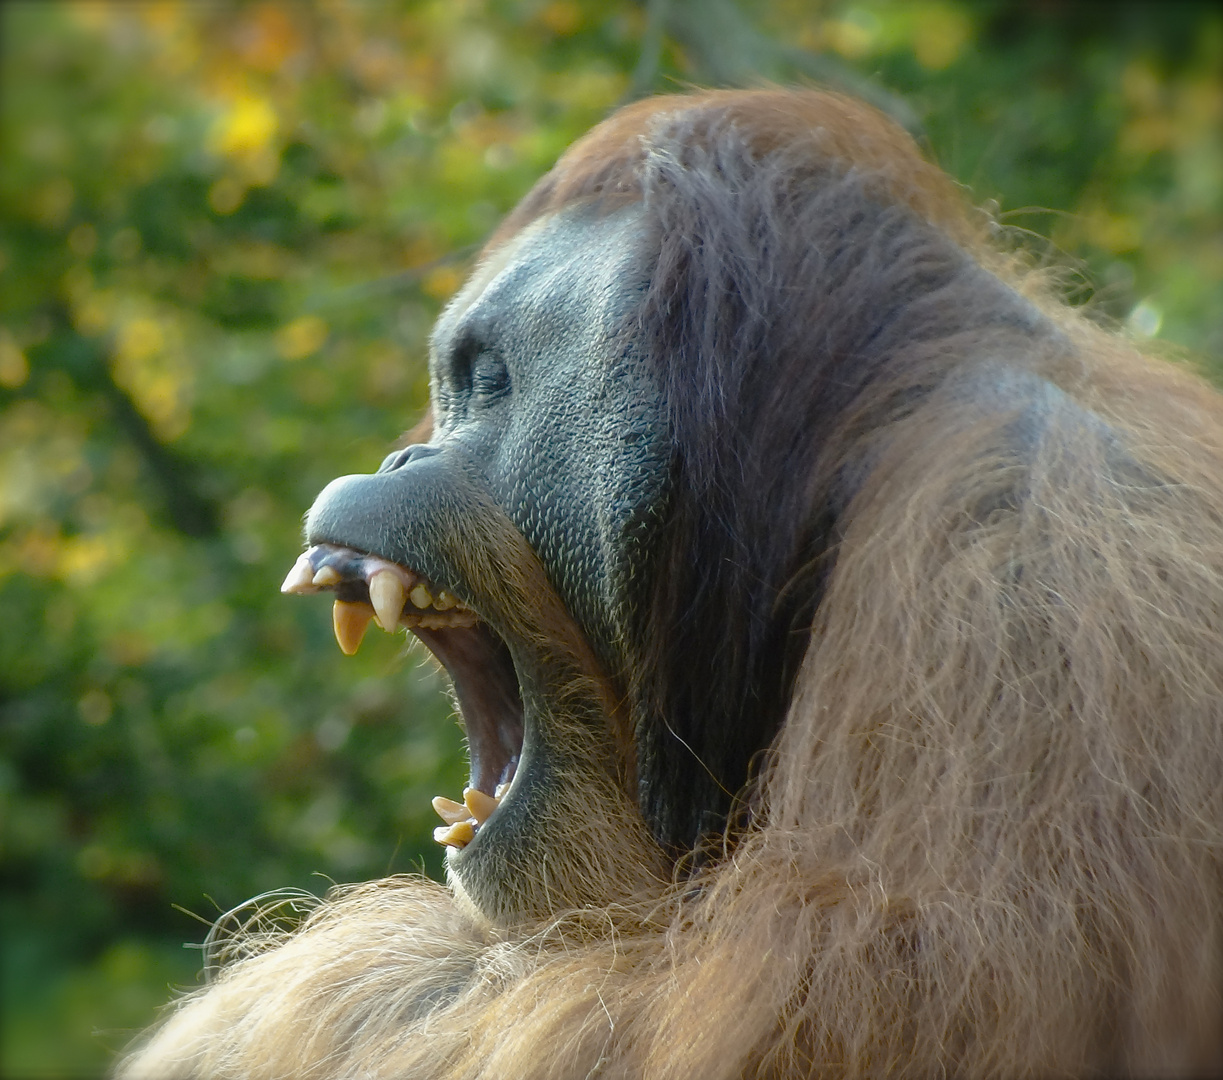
524,365
844,617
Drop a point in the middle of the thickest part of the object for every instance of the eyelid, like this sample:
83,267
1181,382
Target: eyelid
473,367
489,374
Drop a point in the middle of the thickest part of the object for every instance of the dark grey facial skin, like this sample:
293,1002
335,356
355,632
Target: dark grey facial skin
536,373
545,414
543,404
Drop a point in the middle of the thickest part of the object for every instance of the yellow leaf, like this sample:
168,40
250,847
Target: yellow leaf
14,367
940,34
139,339
245,128
301,337
562,17
443,283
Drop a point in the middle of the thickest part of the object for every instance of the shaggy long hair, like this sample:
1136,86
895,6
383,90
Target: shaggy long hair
936,624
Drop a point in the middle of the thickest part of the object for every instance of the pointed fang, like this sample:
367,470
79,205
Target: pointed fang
350,621
480,805
457,836
300,578
386,594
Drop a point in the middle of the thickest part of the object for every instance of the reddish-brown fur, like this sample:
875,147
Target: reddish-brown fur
987,838
603,163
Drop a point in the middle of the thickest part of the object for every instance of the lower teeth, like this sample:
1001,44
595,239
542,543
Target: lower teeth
458,835
462,819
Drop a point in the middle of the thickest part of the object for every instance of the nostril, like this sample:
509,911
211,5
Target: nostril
405,456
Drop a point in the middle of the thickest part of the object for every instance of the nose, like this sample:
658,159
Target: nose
400,458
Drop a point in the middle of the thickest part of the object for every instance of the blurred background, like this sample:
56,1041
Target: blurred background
225,229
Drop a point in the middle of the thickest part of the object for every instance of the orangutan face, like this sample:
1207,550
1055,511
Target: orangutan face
514,543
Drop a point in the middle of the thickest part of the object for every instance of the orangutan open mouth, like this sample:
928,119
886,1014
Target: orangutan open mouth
369,587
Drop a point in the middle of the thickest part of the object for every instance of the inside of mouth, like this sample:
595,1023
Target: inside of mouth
369,588
486,685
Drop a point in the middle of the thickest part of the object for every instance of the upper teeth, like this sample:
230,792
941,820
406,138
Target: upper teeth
390,586
301,577
350,621
327,575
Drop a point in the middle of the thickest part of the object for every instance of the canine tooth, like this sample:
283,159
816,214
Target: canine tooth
327,575
458,835
300,578
499,792
444,601
350,621
480,805
449,811
386,594
420,595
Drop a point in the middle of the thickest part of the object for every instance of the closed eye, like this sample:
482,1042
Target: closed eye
490,378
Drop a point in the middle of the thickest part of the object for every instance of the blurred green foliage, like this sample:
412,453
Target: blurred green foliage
224,231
